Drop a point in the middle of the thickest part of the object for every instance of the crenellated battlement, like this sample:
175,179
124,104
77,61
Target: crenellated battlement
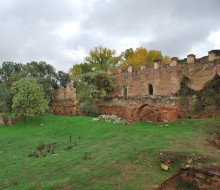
190,61
149,94
165,79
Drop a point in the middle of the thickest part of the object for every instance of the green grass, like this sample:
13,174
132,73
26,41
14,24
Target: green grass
102,155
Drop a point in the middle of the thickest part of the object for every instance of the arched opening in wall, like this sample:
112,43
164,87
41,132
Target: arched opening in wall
150,89
148,113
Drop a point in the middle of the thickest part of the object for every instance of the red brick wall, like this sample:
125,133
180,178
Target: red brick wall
131,98
165,82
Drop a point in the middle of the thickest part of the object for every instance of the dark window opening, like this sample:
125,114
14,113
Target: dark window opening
125,91
151,90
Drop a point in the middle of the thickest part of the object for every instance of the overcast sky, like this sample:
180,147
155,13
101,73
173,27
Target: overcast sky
61,32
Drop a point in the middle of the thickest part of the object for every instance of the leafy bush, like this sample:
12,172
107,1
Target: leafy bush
89,109
29,98
94,86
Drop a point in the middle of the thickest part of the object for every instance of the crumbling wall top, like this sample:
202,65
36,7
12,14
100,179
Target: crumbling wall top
191,58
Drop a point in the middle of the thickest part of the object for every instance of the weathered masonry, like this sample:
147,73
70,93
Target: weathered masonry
149,94
64,101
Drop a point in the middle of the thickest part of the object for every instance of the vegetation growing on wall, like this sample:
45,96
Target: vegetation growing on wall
185,92
200,100
208,96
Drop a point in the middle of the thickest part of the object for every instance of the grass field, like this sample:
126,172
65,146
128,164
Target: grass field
61,152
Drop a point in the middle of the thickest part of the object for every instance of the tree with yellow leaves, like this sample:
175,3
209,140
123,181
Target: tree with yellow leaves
141,56
75,72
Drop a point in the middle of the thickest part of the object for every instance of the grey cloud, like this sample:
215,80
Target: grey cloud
33,11
175,26
179,38
28,28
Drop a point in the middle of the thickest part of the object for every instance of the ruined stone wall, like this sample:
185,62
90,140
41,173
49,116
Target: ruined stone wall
148,94
139,94
148,108
64,101
164,80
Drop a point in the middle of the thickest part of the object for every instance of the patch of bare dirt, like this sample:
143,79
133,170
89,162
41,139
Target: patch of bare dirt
215,140
193,179
127,170
184,159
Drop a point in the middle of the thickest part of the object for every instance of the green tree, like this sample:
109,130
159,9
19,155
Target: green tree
44,73
128,53
5,98
41,69
10,72
77,70
91,89
29,98
63,78
94,86
102,58
49,84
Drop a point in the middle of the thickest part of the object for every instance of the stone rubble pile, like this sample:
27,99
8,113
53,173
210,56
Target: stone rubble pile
112,119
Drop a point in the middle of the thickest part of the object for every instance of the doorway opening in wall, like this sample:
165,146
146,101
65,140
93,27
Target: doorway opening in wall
150,89
125,91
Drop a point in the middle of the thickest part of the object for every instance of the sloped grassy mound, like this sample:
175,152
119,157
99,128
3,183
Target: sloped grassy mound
63,152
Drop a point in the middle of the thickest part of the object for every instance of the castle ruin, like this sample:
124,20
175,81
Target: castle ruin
64,101
149,94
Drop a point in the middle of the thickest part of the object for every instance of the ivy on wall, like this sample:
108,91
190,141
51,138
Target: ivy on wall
198,101
208,96
185,92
